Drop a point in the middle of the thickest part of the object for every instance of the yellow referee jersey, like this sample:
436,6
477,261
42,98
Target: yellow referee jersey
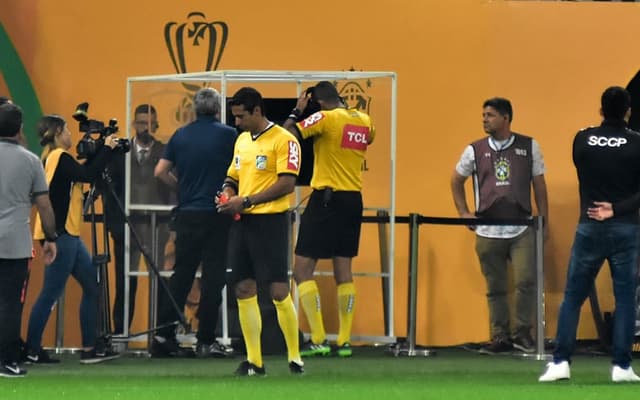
341,137
257,163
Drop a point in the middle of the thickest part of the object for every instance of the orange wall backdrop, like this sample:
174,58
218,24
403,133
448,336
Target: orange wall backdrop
552,59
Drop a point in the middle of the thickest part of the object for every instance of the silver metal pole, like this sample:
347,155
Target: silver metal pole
127,204
414,236
60,323
153,281
409,348
226,340
540,316
538,226
383,241
392,200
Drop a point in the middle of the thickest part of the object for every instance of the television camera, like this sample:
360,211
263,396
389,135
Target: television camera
94,133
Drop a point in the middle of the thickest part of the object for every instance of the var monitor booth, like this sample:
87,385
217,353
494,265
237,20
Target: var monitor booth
372,92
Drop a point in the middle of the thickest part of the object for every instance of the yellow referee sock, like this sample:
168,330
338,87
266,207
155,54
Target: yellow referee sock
251,325
310,299
288,321
346,303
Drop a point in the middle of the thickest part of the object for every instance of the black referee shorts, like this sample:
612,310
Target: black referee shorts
330,225
259,248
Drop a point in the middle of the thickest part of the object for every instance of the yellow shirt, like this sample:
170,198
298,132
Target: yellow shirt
341,137
257,163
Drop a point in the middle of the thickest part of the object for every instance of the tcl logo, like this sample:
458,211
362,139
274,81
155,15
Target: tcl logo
355,137
604,141
312,119
293,162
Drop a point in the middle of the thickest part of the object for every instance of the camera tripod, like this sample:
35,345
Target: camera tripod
100,261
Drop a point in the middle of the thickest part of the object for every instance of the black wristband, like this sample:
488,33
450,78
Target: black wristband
51,238
246,202
297,113
231,185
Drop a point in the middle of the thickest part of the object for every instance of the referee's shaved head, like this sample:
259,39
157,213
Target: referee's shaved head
325,91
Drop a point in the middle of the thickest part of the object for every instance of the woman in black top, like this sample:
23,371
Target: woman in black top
65,176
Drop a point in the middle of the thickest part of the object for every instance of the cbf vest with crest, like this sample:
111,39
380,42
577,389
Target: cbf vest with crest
502,178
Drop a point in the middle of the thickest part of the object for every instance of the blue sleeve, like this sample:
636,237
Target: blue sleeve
232,141
169,149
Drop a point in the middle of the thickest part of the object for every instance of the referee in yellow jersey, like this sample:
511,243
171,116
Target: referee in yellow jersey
330,225
261,176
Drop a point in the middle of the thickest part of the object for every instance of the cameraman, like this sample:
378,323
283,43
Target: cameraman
65,176
146,150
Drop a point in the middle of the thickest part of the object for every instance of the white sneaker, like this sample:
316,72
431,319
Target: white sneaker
619,374
556,372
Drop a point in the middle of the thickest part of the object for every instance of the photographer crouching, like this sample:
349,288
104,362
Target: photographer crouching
65,177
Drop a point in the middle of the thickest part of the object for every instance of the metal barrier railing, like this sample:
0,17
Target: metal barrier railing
409,347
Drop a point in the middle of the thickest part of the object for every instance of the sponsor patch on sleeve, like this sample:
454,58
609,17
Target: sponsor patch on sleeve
293,160
311,120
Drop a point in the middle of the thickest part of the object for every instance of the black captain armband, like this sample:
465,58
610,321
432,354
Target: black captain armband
51,238
232,185
295,114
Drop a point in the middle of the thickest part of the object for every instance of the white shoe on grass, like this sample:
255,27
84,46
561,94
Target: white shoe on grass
556,372
619,374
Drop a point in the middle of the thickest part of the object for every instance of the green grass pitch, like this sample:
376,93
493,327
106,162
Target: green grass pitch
370,374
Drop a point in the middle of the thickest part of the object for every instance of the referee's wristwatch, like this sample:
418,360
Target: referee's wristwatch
246,202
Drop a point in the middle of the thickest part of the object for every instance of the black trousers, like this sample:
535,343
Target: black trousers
201,237
13,285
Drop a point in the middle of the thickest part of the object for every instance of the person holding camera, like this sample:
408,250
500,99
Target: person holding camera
330,225
505,167
22,185
199,153
65,177
146,151
263,173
